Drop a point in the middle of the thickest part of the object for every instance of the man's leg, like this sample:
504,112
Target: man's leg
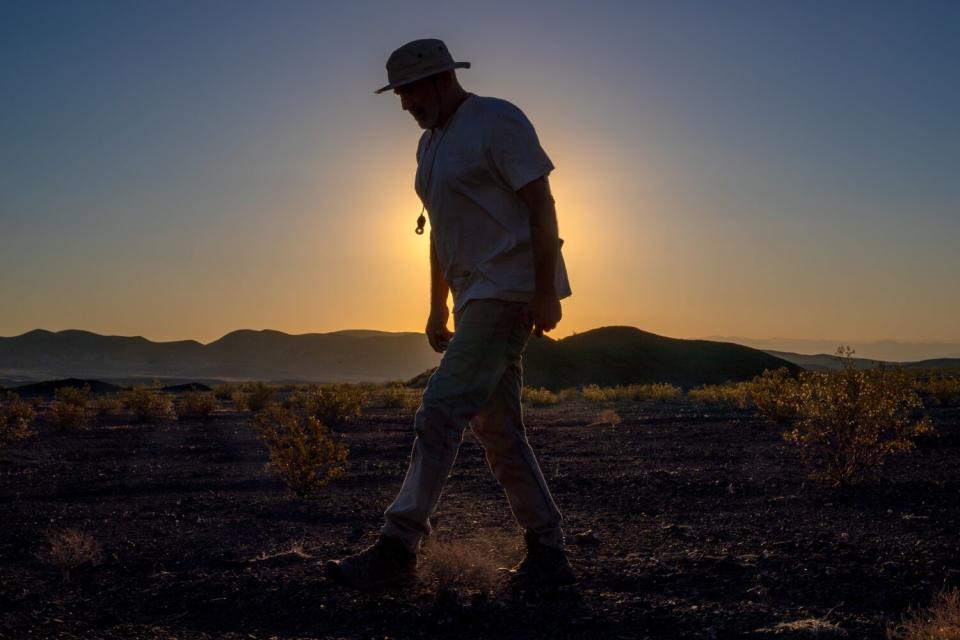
480,352
500,429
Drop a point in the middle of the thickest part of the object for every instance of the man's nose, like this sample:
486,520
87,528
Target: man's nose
405,103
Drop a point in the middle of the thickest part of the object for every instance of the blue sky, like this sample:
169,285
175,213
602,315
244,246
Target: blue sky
182,169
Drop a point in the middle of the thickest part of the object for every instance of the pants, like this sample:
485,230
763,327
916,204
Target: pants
479,379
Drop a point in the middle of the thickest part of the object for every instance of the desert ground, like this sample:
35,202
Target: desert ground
683,521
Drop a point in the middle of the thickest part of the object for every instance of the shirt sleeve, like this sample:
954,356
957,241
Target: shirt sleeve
514,148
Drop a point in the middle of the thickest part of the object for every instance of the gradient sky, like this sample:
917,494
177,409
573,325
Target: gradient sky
183,169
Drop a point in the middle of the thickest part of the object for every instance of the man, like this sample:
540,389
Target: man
482,177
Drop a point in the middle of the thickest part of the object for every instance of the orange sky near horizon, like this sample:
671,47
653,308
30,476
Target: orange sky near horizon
213,171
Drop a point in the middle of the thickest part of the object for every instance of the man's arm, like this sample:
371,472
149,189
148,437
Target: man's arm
544,309
437,333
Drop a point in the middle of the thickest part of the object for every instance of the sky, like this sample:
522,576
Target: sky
183,169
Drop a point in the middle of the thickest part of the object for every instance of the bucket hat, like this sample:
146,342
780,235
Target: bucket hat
419,59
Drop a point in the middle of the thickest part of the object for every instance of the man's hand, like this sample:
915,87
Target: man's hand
437,332
543,312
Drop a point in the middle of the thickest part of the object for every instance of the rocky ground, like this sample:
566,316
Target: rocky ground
702,527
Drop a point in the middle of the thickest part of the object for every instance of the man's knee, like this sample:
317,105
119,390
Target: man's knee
436,427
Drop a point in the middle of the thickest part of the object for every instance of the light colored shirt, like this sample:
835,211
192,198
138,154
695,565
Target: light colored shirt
468,173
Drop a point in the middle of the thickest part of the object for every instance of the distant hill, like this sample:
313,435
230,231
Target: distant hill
49,387
626,355
343,356
879,350
607,356
824,362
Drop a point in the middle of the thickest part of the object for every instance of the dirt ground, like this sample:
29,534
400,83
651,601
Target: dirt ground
703,527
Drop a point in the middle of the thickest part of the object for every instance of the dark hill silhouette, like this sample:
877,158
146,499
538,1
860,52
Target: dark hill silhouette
626,355
49,387
606,356
343,356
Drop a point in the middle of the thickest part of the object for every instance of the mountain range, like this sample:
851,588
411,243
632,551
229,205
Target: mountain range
606,356
883,350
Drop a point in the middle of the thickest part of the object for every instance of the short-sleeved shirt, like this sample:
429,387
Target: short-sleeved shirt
468,173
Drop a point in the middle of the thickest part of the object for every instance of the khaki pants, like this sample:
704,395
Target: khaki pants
480,380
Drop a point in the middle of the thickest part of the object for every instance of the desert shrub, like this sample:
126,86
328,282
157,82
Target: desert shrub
569,394
195,404
539,397
259,396
940,621
224,391
731,394
147,404
397,396
69,408
71,549
239,399
595,393
773,393
302,451
16,418
944,390
333,405
107,406
850,420
655,392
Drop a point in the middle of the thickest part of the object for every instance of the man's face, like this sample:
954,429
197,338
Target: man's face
422,100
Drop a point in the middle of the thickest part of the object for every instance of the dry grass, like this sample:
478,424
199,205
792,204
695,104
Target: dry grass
807,628
332,405
606,418
71,549
539,397
940,621
69,409
397,396
16,418
196,405
148,404
463,567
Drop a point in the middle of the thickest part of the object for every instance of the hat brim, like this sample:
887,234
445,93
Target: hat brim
405,81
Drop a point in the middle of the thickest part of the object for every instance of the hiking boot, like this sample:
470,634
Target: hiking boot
385,563
542,566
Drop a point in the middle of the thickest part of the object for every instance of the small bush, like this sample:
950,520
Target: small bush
397,396
195,405
595,393
941,621
539,397
107,406
333,405
148,404
607,417
224,391
239,399
69,409
459,568
731,394
773,393
259,396
71,549
16,418
302,451
850,420
659,392
569,394
944,390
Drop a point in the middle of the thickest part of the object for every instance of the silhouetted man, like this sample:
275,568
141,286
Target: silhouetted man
482,177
